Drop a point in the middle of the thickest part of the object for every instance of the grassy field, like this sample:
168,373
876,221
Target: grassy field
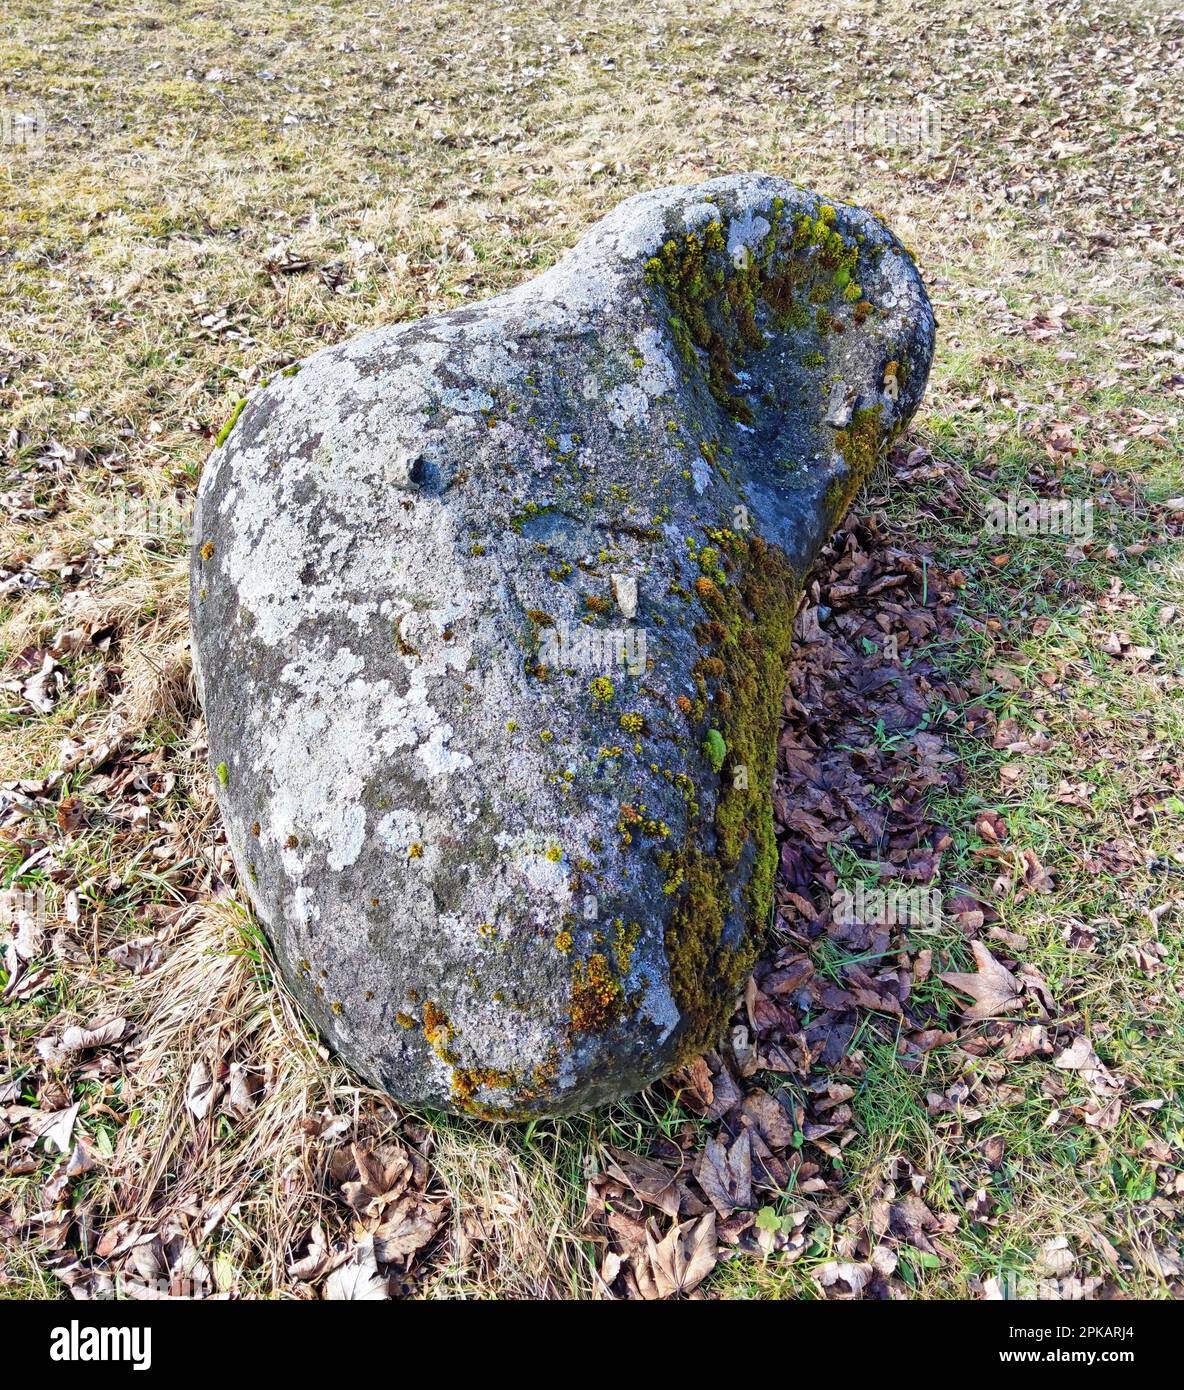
211,191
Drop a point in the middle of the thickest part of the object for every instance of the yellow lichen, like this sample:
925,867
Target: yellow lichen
596,995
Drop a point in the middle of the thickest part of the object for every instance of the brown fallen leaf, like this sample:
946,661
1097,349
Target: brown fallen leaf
358,1280
1056,1257
1080,1057
993,987
242,1090
406,1228
725,1174
82,1159
993,1150
86,1283
311,1265
102,1032
768,1117
844,1280
1107,1116
610,1267
28,930
25,986
652,1182
56,1128
1036,876
199,1089
696,1077
383,1175
139,956
69,814
684,1257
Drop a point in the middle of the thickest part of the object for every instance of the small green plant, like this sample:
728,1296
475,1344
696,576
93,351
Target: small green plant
715,748
224,432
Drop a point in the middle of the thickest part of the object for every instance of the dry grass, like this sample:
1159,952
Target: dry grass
213,1008
432,156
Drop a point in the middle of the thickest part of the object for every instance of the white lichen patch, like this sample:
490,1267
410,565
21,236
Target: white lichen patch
436,760
311,500
539,862
746,235
326,732
658,1003
468,401
698,215
700,472
398,830
658,376
627,405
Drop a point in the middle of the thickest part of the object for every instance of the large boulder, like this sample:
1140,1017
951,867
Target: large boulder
492,617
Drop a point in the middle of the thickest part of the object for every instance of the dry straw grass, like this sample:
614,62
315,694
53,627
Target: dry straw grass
213,1009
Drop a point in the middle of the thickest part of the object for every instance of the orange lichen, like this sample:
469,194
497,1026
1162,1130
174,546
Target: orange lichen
467,1081
436,1027
596,995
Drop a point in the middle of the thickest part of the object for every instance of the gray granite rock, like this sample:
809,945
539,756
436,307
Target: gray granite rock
492,618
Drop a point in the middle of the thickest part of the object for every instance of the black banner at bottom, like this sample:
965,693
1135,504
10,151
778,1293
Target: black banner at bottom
169,1336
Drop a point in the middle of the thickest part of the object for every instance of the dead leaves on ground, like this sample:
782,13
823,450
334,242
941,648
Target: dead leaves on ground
667,1218
859,753
1026,158
681,1260
994,989
392,1220
130,1235
662,1238
724,1172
